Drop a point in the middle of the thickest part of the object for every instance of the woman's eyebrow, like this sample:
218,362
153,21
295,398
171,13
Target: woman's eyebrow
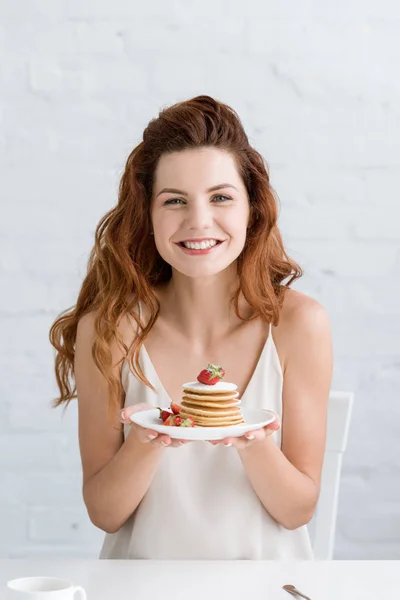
220,186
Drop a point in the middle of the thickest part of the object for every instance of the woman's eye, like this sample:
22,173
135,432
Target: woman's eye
223,197
173,201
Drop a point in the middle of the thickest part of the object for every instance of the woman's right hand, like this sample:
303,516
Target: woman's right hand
147,436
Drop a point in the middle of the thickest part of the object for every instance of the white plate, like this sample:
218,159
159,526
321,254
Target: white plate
255,419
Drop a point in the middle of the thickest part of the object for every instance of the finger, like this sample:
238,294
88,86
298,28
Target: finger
144,435
227,442
269,432
257,435
275,425
272,428
150,435
130,410
178,443
164,440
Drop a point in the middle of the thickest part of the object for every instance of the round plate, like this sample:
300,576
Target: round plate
255,418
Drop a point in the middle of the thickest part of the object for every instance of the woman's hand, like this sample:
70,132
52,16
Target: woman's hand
147,436
250,437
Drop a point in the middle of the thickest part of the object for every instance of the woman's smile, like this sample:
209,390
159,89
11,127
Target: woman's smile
199,246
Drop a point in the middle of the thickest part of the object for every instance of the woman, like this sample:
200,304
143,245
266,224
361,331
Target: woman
194,178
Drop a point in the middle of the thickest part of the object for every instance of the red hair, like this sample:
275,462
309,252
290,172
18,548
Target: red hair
124,264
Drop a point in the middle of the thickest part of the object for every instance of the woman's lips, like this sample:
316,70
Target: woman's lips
200,251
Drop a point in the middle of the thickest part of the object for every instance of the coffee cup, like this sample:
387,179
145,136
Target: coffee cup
43,588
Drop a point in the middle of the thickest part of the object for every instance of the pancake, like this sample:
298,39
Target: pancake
214,421
213,412
202,388
210,397
203,423
209,404
215,405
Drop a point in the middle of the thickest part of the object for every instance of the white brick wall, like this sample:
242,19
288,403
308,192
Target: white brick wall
317,88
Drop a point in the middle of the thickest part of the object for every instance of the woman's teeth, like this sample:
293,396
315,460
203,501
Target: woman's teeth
200,245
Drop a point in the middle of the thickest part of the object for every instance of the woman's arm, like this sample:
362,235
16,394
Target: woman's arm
116,474
287,481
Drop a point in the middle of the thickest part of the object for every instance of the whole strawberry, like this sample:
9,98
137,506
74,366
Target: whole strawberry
176,409
211,375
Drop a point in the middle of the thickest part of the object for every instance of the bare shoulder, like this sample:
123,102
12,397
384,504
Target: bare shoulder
86,330
302,310
304,343
99,438
86,324
303,320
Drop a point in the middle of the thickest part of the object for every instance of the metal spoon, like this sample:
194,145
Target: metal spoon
294,591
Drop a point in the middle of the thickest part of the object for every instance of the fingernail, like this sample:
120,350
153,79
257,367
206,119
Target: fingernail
163,443
151,436
227,445
250,437
123,415
182,442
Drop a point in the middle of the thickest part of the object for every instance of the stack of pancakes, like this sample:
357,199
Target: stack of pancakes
211,405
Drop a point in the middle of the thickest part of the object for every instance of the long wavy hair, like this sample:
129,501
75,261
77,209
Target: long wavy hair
124,265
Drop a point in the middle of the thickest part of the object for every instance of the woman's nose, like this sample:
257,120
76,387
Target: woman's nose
199,216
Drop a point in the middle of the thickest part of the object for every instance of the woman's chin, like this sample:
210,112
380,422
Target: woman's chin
200,271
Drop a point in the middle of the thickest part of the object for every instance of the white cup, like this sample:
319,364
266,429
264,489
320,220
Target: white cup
43,588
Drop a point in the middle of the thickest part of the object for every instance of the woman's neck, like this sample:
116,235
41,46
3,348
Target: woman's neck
201,309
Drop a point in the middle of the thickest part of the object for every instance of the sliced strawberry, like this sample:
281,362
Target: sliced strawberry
176,409
173,421
164,414
211,375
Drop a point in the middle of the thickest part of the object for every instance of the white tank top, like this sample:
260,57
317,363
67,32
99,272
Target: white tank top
200,503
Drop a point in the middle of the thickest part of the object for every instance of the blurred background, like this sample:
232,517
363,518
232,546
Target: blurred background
316,88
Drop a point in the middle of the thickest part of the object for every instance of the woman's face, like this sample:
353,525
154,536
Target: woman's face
198,230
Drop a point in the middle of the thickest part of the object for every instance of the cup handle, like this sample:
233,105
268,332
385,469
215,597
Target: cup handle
78,590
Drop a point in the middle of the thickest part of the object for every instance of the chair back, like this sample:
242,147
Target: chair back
340,408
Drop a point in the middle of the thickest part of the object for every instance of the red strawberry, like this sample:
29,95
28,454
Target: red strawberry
211,375
164,414
176,409
173,421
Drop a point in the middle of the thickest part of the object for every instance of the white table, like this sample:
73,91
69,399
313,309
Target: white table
209,580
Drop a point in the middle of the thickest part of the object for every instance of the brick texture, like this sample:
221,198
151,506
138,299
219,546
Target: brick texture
315,86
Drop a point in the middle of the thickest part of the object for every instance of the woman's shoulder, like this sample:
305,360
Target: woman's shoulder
302,320
126,327
299,308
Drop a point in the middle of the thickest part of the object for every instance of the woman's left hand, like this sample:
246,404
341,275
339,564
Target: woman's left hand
250,437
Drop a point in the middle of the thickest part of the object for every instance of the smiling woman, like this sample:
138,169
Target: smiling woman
222,219
191,262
